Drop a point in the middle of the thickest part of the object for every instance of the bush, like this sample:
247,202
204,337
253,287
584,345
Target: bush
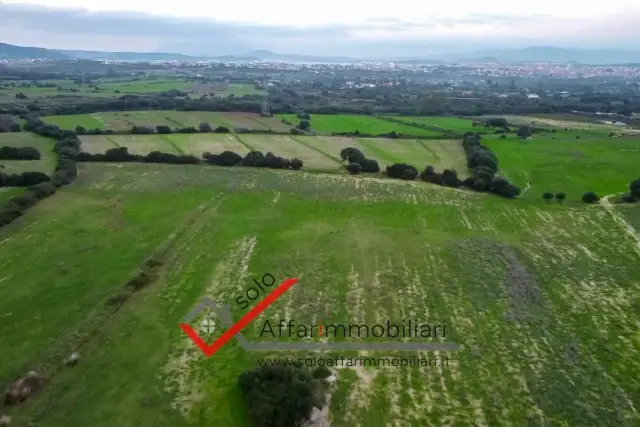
142,130
354,168
590,197
296,131
629,198
296,164
280,396
369,166
19,153
226,158
163,129
547,196
352,154
205,127
450,178
397,170
221,129
409,174
560,197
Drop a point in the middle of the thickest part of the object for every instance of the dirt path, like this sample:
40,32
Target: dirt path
628,228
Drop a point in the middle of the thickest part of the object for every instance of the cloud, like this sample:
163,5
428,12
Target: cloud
75,28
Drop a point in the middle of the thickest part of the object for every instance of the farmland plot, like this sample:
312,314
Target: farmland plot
198,144
448,123
44,145
543,298
137,144
288,147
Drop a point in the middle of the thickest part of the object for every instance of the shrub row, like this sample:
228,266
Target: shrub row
25,179
484,165
226,158
15,207
19,153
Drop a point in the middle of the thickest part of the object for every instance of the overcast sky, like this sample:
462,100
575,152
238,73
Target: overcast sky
329,27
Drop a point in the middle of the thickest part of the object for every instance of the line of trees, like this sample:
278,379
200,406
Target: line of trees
24,179
19,153
226,158
66,147
483,164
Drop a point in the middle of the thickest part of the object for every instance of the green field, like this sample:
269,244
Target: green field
325,123
542,299
108,88
47,160
318,153
592,163
124,120
447,123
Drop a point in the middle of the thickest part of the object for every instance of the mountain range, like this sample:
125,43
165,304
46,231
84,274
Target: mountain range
529,54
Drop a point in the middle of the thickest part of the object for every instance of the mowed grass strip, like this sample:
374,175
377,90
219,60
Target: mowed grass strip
198,144
448,123
327,123
285,146
44,145
136,144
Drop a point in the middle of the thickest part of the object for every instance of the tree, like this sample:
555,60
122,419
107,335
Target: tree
296,164
352,154
21,95
354,168
280,396
547,196
524,132
590,197
304,125
205,127
81,130
560,197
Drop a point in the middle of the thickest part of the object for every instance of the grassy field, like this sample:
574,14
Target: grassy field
317,153
325,123
47,160
104,88
592,163
542,299
175,119
447,123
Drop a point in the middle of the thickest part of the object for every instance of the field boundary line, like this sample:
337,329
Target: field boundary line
175,122
112,141
241,141
335,159
429,150
170,142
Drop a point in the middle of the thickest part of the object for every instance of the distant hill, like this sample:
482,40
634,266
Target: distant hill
125,56
554,54
266,55
9,51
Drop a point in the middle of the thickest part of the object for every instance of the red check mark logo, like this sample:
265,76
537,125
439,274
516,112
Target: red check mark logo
210,349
